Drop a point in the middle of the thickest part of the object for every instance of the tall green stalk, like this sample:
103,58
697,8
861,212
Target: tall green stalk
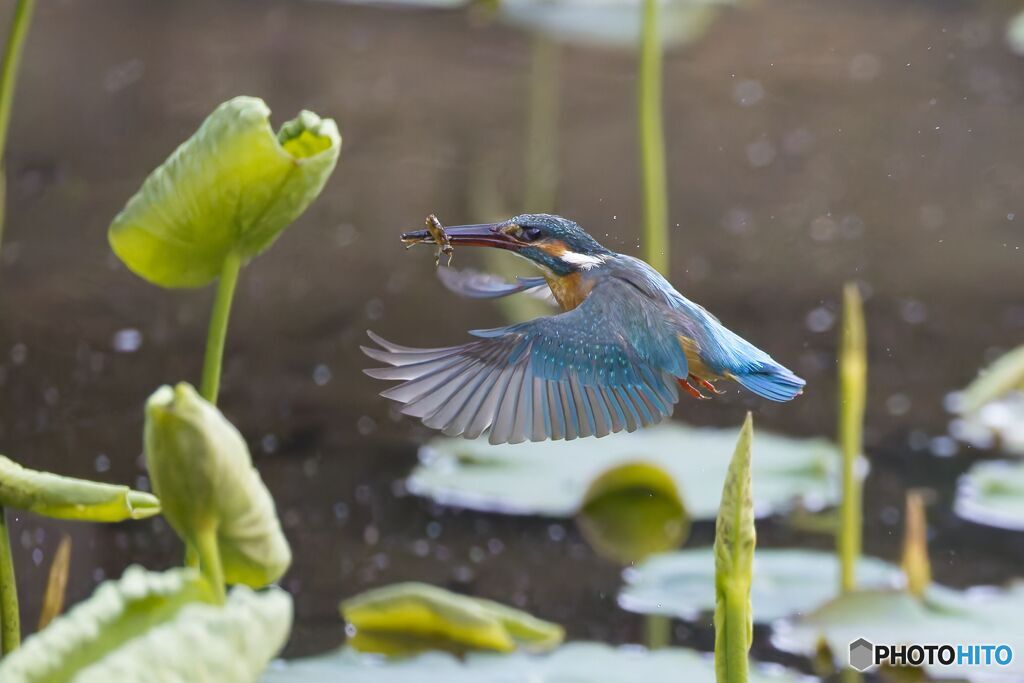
735,539
541,182
8,79
852,391
209,560
652,143
218,330
10,620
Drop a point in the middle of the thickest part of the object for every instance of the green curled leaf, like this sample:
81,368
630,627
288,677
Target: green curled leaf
233,186
53,495
150,626
116,613
1000,378
201,468
412,617
631,511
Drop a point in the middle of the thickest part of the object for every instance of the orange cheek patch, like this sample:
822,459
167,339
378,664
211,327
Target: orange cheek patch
553,247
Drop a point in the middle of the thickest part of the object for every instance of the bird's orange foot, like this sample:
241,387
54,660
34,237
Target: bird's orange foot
692,390
707,385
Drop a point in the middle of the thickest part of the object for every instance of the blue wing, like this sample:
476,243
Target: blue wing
606,366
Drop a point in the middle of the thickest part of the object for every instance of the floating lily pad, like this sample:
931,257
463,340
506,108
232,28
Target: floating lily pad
572,663
550,479
998,423
981,615
414,617
610,23
786,582
632,511
992,493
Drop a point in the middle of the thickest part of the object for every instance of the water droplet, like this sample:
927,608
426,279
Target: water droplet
128,340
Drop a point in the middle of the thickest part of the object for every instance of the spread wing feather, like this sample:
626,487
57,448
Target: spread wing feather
606,366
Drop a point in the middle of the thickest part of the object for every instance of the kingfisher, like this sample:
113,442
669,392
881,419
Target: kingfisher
615,358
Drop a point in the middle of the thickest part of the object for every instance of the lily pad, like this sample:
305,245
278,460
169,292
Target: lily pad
992,493
551,479
786,582
998,423
610,23
413,617
572,663
150,626
61,497
232,187
980,615
632,511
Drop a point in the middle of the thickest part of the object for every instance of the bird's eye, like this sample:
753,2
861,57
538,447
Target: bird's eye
531,234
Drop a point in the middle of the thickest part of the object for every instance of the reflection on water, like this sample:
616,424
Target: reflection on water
808,143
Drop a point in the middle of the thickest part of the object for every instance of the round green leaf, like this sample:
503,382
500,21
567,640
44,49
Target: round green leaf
992,493
115,614
984,615
785,582
632,511
413,617
233,186
68,498
995,381
202,470
479,476
571,663
611,23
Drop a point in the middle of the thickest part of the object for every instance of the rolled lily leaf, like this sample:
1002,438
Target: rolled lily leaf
413,617
202,470
117,612
151,626
999,379
56,583
232,187
60,497
632,511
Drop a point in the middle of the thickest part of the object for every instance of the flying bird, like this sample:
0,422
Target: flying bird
614,359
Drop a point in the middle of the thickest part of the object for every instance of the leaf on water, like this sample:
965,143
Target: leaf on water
996,381
201,468
117,612
632,511
56,583
941,615
233,186
614,23
476,475
52,495
578,662
785,582
992,493
413,617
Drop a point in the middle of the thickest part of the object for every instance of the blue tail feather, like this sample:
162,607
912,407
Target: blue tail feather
773,382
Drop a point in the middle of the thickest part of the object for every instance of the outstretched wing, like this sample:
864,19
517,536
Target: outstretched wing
477,285
608,365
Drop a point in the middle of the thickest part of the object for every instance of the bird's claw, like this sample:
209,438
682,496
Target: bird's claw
692,390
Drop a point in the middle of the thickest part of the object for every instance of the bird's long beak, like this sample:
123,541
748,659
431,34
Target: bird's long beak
479,235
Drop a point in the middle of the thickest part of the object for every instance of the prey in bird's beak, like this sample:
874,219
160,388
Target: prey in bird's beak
479,235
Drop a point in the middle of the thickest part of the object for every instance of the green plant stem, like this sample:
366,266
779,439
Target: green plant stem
737,634
8,79
852,394
657,631
218,330
541,182
209,560
191,555
652,143
10,620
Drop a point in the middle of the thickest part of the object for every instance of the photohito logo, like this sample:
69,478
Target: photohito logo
864,654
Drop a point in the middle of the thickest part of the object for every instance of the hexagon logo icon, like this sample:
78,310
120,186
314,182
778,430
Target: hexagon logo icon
862,654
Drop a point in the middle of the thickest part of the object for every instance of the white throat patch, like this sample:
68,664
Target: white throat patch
584,261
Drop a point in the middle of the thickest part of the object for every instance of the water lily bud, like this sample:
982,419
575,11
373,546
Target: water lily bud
201,468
